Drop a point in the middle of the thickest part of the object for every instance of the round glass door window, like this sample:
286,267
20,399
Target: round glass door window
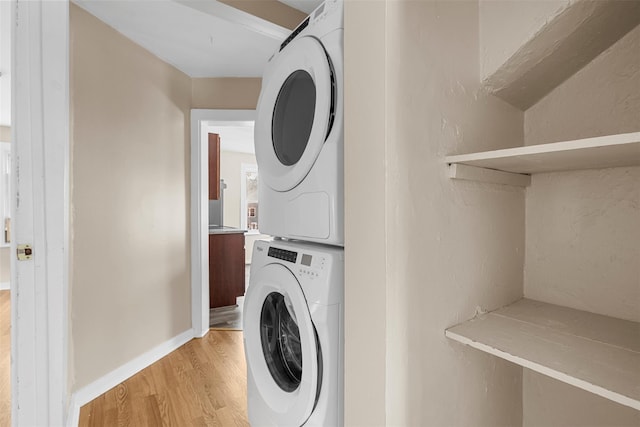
281,342
293,117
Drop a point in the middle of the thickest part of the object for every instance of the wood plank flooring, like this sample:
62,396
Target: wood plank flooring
203,383
5,358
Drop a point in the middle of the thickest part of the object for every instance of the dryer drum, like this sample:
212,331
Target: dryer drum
293,117
281,345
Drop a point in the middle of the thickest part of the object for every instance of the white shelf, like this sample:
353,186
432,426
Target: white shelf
596,353
590,153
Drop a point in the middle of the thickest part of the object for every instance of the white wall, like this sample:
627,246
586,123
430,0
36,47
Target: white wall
508,24
365,311
551,403
5,63
602,98
583,228
438,249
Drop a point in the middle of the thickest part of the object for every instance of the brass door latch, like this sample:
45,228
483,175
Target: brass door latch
25,252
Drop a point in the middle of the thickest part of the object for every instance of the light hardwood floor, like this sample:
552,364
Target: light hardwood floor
5,358
203,383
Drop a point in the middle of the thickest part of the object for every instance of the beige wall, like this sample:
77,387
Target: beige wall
130,287
439,249
230,167
5,134
226,93
508,24
5,267
583,227
270,10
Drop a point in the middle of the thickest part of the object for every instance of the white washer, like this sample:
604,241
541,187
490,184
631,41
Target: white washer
293,335
299,132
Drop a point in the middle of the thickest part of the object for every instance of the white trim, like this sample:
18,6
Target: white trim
200,120
244,168
5,189
100,386
5,286
40,212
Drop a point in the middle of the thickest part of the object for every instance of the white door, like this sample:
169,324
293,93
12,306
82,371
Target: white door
281,345
295,113
40,206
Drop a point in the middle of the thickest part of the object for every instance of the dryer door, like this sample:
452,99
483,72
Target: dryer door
295,113
281,345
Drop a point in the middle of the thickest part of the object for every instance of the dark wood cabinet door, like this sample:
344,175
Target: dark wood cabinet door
214,166
226,269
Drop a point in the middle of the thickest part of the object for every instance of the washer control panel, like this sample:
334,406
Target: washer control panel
311,266
307,264
283,254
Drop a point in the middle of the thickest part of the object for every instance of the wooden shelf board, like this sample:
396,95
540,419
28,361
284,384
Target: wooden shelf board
596,353
590,153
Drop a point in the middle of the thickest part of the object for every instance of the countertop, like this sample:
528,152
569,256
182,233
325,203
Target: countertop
221,229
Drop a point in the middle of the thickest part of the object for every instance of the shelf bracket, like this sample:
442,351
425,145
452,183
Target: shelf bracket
473,173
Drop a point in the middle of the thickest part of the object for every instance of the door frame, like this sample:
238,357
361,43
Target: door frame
200,120
40,212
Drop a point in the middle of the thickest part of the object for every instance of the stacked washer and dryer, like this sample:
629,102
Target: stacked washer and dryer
294,304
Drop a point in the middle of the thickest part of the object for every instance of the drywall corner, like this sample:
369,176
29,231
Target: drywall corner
365,363
451,246
551,403
228,93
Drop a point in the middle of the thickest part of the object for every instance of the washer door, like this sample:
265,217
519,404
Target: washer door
281,345
295,113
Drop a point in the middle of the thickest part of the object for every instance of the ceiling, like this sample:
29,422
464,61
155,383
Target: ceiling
236,137
202,38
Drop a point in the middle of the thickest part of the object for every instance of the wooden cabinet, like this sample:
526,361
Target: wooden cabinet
226,268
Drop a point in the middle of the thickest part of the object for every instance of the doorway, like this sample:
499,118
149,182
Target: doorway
202,123
5,213
5,275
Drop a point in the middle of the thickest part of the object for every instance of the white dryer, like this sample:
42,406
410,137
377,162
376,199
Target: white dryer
293,335
299,132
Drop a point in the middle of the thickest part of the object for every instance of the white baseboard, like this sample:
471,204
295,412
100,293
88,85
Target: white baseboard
4,286
112,379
